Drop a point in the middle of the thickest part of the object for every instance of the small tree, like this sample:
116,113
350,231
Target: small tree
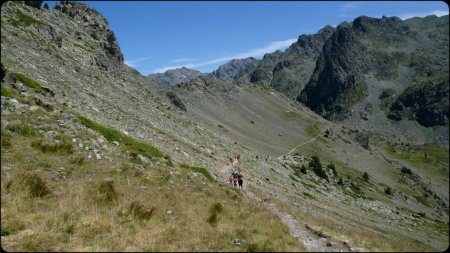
333,169
46,6
303,169
317,167
366,176
340,182
35,4
388,191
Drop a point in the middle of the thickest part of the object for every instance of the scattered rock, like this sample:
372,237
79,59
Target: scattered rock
238,241
143,158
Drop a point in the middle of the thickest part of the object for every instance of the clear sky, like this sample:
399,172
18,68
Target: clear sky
158,35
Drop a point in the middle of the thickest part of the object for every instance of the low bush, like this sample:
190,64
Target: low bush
406,170
37,187
388,190
47,147
333,169
303,169
365,176
139,211
23,129
108,191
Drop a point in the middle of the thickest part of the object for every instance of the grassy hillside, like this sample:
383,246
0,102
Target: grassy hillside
55,198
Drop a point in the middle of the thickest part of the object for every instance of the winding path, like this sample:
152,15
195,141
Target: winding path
296,147
312,240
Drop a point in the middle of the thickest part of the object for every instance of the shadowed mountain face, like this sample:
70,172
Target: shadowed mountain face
409,57
175,76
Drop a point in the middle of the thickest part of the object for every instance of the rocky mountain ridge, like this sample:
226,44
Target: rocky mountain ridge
175,76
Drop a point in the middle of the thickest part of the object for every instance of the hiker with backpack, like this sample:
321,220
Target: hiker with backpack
235,178
240,178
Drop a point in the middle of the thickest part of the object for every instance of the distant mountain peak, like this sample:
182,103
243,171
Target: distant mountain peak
175,76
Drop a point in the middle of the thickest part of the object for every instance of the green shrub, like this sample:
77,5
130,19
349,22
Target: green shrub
406,170
333,169
340,181
365,176
113,135
388,190
303,169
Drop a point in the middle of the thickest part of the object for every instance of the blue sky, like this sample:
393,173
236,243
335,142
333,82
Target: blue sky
156,36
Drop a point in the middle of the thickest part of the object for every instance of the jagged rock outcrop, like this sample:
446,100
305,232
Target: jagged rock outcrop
295,66
98,29
336,84
263,72
175,76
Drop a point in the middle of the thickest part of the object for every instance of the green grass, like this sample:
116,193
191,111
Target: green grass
293,178
23,129
11,225
29,82
290,115
25,20
8,92
309,195
203,171
46,147
422,199
431,157
111,134
311,130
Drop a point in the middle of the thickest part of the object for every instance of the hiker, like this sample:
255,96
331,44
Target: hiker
235,178
234,161
231,160
230,179
238,157
240,179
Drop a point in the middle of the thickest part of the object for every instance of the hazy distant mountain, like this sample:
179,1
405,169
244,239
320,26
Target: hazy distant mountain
175,76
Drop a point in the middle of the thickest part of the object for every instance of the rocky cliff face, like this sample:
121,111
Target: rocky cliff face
98,29
383,50
175,76
235,68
